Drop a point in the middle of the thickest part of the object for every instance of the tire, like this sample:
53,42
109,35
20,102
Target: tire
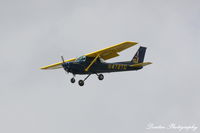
81,82
73,80
100,77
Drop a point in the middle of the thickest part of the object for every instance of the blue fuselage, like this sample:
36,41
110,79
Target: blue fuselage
78,67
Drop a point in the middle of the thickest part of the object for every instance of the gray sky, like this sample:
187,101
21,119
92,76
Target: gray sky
36,33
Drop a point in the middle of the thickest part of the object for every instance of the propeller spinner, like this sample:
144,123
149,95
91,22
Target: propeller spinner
65,65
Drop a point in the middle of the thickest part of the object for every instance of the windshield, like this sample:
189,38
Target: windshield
81,59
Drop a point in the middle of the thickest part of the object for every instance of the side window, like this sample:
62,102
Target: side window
81,59
101,60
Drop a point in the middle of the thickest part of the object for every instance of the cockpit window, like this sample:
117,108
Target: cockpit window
81,59
101,60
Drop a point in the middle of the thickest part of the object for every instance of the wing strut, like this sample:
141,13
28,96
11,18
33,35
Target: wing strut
91,63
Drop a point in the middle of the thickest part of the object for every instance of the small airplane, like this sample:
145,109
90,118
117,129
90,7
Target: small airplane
93,63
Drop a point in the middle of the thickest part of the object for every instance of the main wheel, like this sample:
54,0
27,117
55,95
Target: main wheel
100,77
73,80
81,82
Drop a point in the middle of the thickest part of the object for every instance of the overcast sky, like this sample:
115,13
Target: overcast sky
36,33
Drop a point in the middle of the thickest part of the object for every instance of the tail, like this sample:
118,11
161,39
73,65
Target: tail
139,56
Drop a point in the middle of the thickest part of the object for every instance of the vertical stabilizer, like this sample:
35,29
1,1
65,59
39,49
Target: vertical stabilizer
139,56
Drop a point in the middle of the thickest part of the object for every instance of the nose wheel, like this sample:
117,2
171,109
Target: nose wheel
73,80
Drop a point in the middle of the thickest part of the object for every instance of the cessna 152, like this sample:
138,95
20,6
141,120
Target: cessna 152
93,63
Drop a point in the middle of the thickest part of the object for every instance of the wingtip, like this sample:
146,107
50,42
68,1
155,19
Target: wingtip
42,68
131,42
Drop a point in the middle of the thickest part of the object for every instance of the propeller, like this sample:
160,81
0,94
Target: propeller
63,59
65,68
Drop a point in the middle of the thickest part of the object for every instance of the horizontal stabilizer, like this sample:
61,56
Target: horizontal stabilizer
141,64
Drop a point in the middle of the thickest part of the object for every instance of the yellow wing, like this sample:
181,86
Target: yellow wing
57,65
112,51
105,54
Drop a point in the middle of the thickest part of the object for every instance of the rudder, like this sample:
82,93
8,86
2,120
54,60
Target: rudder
139,56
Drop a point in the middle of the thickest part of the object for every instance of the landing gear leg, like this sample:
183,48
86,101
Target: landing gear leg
81,82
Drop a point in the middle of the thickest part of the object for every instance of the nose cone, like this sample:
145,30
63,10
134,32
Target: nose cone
66,66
